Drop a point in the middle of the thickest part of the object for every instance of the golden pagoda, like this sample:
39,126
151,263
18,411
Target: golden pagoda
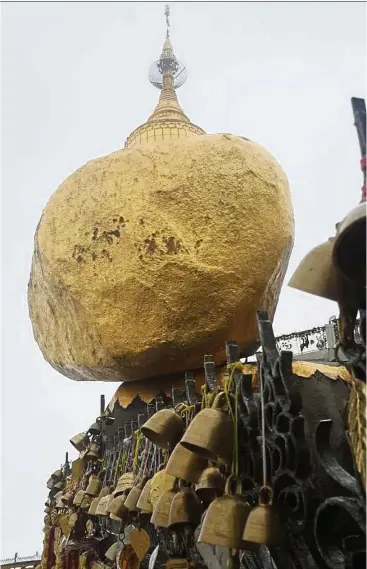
149,257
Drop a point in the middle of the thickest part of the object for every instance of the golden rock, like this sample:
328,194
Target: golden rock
150,257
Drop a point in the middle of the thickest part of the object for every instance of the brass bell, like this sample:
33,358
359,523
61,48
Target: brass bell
95,429
161,511
50,483
185,464
103,505
67,498
263,524
144,503
57,475
112,552
94,485
79,441
93,506
93,453
185,509
47,510
86,502
210,484
316,273
164,428
58,495
133,497
211,432
104,492
117,509
78,498
349,253
124,483
58,486
224,520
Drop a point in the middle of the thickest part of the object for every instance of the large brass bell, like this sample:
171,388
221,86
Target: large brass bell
164,428
224,520
210,484
316,273
185,509
144,503
263,524
211,432
79,441
185,464
349,253
94,485
161,511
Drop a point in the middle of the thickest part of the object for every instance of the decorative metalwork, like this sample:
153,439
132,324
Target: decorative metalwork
317,491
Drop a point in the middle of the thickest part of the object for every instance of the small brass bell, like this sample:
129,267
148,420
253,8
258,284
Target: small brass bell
58,486
210,484
50,483
263,524
57,475
161,511
93,453
95,429
117,509
79,441
224,520
112,552
94,485
93,506
164,428
144,503
349,252
185,509
211,433
316,273
78,498
185,464
133,497
125,483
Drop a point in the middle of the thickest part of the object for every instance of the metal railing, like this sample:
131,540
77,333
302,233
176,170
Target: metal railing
17,559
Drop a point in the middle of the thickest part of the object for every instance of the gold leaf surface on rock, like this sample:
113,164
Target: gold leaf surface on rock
150,257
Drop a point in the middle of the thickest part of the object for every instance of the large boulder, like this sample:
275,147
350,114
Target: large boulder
149,258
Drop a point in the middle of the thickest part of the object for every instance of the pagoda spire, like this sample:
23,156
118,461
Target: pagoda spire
166,74
172,74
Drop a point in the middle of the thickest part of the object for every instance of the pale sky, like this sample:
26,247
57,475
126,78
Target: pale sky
75,85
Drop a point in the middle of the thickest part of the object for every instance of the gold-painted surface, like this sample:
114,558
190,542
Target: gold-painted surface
148,389
146,259
357,426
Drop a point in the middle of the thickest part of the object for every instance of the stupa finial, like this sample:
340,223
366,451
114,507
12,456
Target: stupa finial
166,74
167,13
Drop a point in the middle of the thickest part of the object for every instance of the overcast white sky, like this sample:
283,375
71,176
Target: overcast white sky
75,85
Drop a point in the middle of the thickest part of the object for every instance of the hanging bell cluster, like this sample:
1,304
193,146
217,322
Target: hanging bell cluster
173,470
